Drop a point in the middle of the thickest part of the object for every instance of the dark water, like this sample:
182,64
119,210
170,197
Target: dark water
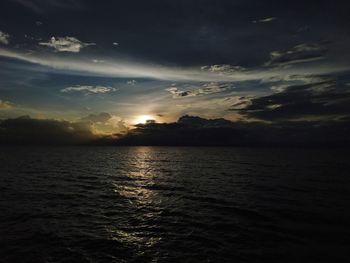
159,204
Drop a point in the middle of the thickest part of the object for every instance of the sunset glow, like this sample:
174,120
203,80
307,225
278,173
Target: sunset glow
143,119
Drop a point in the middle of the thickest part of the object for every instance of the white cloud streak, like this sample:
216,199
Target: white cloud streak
128,69
66,44
302,53
265,20
87,90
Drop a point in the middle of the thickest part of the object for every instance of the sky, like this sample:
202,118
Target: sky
114,64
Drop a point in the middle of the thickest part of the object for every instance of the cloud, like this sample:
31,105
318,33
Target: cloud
97,61
25,130
279,87
4,38
281,83
223,69
87,90
194,131
66,44
131,82
205,89
322,100
188,130
119,68
178,93
301,53
213,87
296,78
131,69
241,103
4,105
102,117
40,7
265,20
105,123
195,121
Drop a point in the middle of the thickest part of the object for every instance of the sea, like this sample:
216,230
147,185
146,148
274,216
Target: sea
174,204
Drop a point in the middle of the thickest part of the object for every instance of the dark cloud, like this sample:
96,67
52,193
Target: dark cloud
196,131
315,100
195,121
188,130
25,130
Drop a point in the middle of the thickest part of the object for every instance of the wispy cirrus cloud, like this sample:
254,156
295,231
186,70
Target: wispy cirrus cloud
264,20
300,53
40,7
66,44
4,38
87,90
216,73
118,68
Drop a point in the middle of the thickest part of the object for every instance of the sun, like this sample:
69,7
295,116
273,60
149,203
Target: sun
143,119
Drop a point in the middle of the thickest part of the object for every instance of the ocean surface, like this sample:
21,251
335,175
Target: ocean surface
174,204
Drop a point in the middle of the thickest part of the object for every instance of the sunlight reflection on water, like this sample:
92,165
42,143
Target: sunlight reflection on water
140,175
138,193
